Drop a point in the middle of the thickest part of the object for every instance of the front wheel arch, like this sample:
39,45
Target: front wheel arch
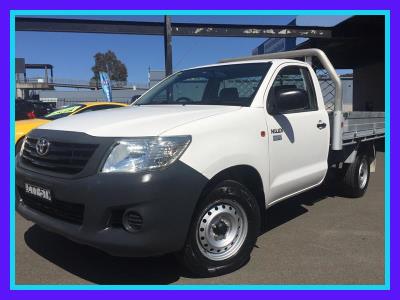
245,175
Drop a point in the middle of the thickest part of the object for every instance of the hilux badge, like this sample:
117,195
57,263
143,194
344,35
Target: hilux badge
277,130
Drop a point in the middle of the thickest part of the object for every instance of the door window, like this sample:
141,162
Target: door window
292,91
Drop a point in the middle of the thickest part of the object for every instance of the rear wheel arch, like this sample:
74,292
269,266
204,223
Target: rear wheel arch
365,148
368,149
356,173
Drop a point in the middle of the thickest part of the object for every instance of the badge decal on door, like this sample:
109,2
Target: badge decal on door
277,130
277,137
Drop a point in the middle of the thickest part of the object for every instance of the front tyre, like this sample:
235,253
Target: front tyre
223,232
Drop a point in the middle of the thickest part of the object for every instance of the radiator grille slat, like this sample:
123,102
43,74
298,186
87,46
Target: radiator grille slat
67,158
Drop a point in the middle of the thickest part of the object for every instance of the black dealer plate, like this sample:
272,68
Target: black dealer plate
42,193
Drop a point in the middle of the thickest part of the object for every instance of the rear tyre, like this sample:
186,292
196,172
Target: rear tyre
223,232
356,177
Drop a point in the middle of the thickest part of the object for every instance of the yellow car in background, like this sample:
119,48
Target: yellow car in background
23,127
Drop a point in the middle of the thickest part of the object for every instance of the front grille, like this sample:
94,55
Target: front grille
70,212
67,158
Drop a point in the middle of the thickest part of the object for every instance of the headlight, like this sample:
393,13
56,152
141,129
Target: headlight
141,154
22,147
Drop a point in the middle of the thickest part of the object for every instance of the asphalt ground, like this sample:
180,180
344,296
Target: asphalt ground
314,238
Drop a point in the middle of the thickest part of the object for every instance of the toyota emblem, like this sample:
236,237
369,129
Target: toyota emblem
42,146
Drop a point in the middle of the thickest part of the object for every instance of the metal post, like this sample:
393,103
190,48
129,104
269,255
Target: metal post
46,76
167,45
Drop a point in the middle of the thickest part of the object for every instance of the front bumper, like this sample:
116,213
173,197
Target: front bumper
165,199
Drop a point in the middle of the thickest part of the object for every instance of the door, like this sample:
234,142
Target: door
298,132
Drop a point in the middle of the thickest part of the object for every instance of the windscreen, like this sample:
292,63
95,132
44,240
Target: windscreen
234,85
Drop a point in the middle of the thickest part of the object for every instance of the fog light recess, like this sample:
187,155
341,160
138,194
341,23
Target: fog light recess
132,221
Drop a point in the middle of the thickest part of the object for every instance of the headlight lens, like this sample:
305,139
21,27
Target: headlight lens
141,154
22,147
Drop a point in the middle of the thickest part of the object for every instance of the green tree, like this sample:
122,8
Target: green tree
108,62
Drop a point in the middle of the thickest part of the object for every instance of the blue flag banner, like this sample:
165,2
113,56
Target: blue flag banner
106,85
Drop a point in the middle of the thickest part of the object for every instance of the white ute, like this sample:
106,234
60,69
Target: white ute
192,165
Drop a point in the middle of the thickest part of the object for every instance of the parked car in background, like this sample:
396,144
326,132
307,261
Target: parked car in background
22,128
30,109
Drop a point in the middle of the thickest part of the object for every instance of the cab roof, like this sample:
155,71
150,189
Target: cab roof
244,61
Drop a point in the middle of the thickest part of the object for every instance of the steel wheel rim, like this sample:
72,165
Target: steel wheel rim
222,230
363,174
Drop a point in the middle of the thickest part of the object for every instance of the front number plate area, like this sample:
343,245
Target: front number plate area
39,192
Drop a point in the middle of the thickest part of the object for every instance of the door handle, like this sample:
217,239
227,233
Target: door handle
321,125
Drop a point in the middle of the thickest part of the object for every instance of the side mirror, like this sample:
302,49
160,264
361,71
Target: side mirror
284,100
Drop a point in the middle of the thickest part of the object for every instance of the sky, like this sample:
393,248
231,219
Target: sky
71,54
